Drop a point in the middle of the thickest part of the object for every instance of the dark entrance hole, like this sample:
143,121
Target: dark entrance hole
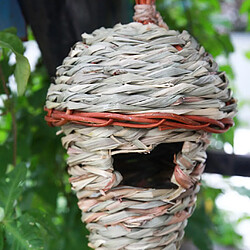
152,170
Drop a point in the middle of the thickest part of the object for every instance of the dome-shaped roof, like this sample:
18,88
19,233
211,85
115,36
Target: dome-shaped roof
136,68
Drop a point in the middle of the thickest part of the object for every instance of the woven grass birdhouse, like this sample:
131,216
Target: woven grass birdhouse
137,103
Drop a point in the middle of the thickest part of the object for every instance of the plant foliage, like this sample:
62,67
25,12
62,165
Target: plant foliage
37,208
22,70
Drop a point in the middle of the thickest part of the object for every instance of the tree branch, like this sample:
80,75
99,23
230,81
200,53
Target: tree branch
6,90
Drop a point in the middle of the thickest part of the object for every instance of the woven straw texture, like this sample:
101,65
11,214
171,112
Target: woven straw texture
133,69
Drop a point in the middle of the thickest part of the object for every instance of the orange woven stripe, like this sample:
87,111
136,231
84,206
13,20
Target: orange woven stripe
163,121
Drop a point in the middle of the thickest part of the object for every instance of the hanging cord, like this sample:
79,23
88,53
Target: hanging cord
145,12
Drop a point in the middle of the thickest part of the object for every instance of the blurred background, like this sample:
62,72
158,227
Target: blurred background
42,212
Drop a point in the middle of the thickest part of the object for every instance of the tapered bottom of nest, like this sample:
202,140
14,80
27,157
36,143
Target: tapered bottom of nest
152,170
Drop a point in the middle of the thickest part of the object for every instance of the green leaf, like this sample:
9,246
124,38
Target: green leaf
22,69
22,73
226,43
45,221
229,136
12,30
13,42
5,129
247,54
245,7
24,234
11,188
15,237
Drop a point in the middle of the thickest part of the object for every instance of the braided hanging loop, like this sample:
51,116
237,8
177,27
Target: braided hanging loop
145,12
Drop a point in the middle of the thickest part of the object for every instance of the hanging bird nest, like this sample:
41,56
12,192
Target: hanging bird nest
137,104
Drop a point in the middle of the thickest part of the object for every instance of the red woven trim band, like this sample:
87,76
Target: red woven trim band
163,121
